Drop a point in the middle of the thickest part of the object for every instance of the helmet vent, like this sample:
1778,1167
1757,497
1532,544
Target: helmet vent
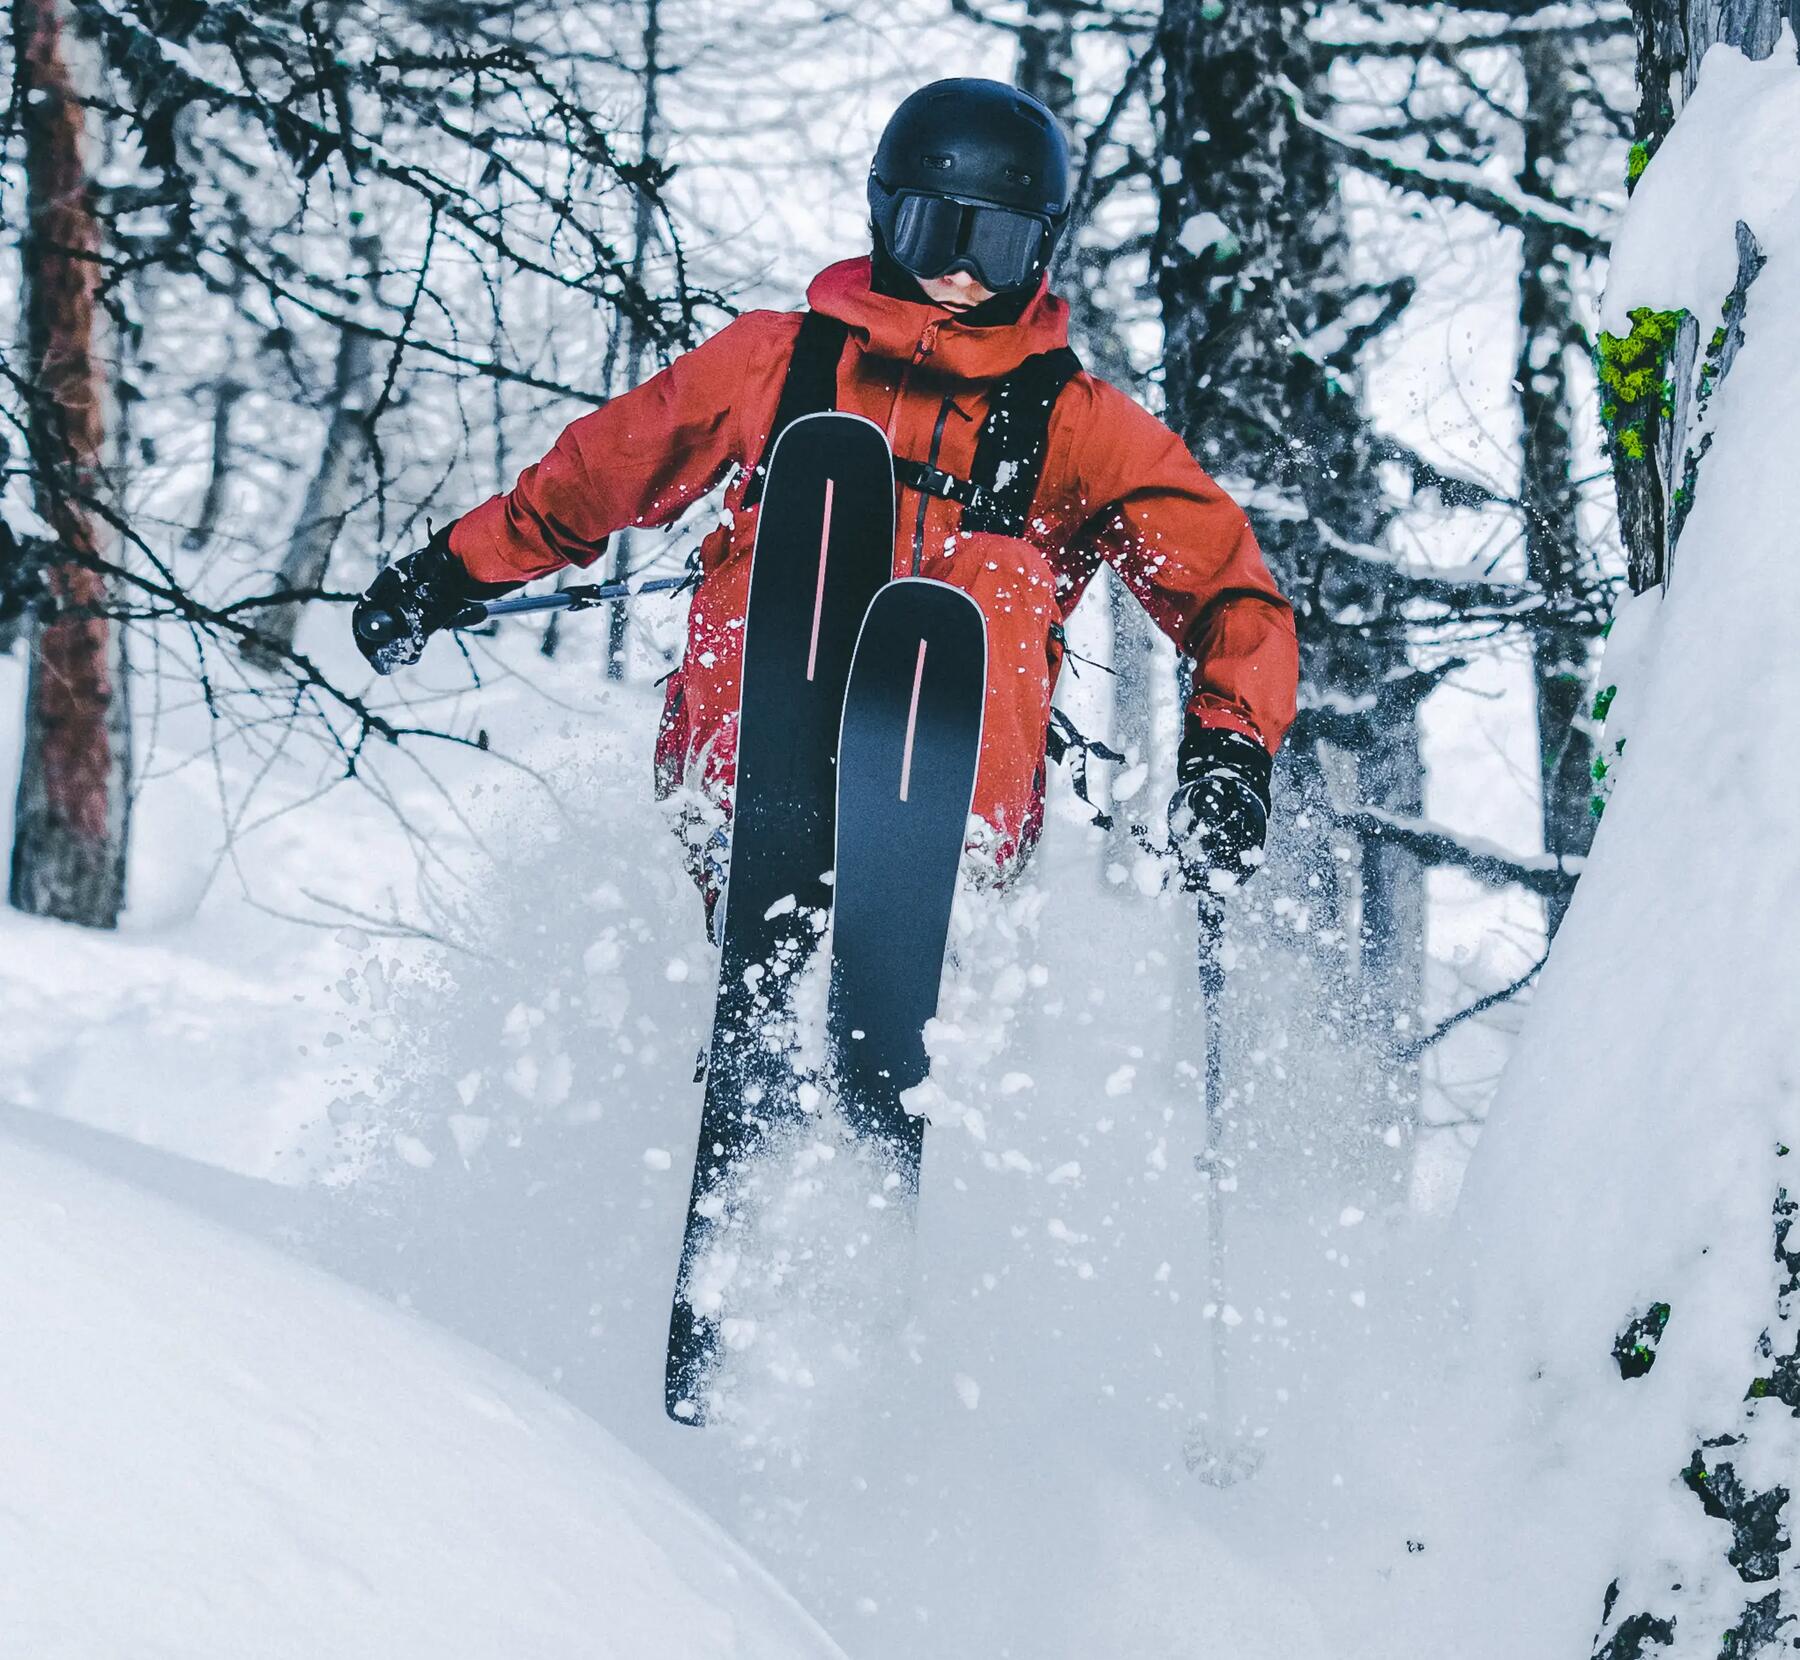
938,164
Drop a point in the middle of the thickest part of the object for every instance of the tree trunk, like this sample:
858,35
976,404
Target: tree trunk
330,492
1046,69
1224,232
642,230
1391,775
71,821
1547,495
1046,66
1674,36
1249,261
1133,732
1225,223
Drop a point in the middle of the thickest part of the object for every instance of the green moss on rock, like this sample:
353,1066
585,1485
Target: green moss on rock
1633,382
1635,1347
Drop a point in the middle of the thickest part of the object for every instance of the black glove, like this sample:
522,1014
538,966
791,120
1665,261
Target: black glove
1219,814
411,600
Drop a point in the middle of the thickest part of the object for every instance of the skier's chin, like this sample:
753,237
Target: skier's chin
954,297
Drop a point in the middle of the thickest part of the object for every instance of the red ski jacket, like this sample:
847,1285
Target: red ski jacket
1116,485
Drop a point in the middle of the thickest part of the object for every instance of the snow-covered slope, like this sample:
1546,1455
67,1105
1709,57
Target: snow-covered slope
209,1451
969,1443
1639,1147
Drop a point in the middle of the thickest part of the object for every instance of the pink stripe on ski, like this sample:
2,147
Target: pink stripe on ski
912,724
812,651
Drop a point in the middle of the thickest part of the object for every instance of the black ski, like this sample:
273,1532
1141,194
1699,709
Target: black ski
906,780
824,546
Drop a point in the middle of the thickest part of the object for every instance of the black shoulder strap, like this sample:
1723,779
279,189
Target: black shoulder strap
1009,454
810,387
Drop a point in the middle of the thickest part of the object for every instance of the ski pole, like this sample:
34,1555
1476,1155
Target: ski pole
1218,1454
1212,989
378,628
579,598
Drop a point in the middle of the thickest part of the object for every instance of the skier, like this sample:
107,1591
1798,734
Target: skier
1019,473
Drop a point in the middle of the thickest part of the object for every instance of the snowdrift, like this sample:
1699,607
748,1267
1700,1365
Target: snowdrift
1624,1203
209,1450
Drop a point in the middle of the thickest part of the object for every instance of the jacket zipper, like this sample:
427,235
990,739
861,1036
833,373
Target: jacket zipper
937,439
927,340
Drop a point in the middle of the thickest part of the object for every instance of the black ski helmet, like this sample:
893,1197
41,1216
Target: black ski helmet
971,175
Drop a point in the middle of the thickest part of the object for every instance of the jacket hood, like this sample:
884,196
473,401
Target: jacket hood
894,328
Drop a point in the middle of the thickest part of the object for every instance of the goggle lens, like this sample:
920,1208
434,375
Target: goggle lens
933,236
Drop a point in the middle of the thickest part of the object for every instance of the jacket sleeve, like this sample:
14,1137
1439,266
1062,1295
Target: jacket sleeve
637,460
1186,551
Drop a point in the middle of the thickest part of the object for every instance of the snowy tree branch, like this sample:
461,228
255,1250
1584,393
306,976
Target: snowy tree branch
1612,26
1464,590
1455,489
1566,16
1458,182
1543,873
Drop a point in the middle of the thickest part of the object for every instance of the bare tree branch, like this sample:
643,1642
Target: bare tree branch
1480,1006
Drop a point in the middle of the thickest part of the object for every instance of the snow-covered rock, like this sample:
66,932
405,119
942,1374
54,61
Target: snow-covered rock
1639,1146
1730,157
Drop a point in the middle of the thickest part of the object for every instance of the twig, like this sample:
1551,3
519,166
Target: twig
1480,1006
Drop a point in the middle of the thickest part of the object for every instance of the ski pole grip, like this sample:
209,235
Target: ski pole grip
377,627
472,615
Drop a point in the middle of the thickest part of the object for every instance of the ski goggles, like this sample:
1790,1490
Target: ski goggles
931,236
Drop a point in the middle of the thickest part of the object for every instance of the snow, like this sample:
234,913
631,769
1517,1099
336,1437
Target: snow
1056,1260
968,1435
997,1396
213,1451
21,519
1734,155
1203,231
1638,1142
1056,1256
